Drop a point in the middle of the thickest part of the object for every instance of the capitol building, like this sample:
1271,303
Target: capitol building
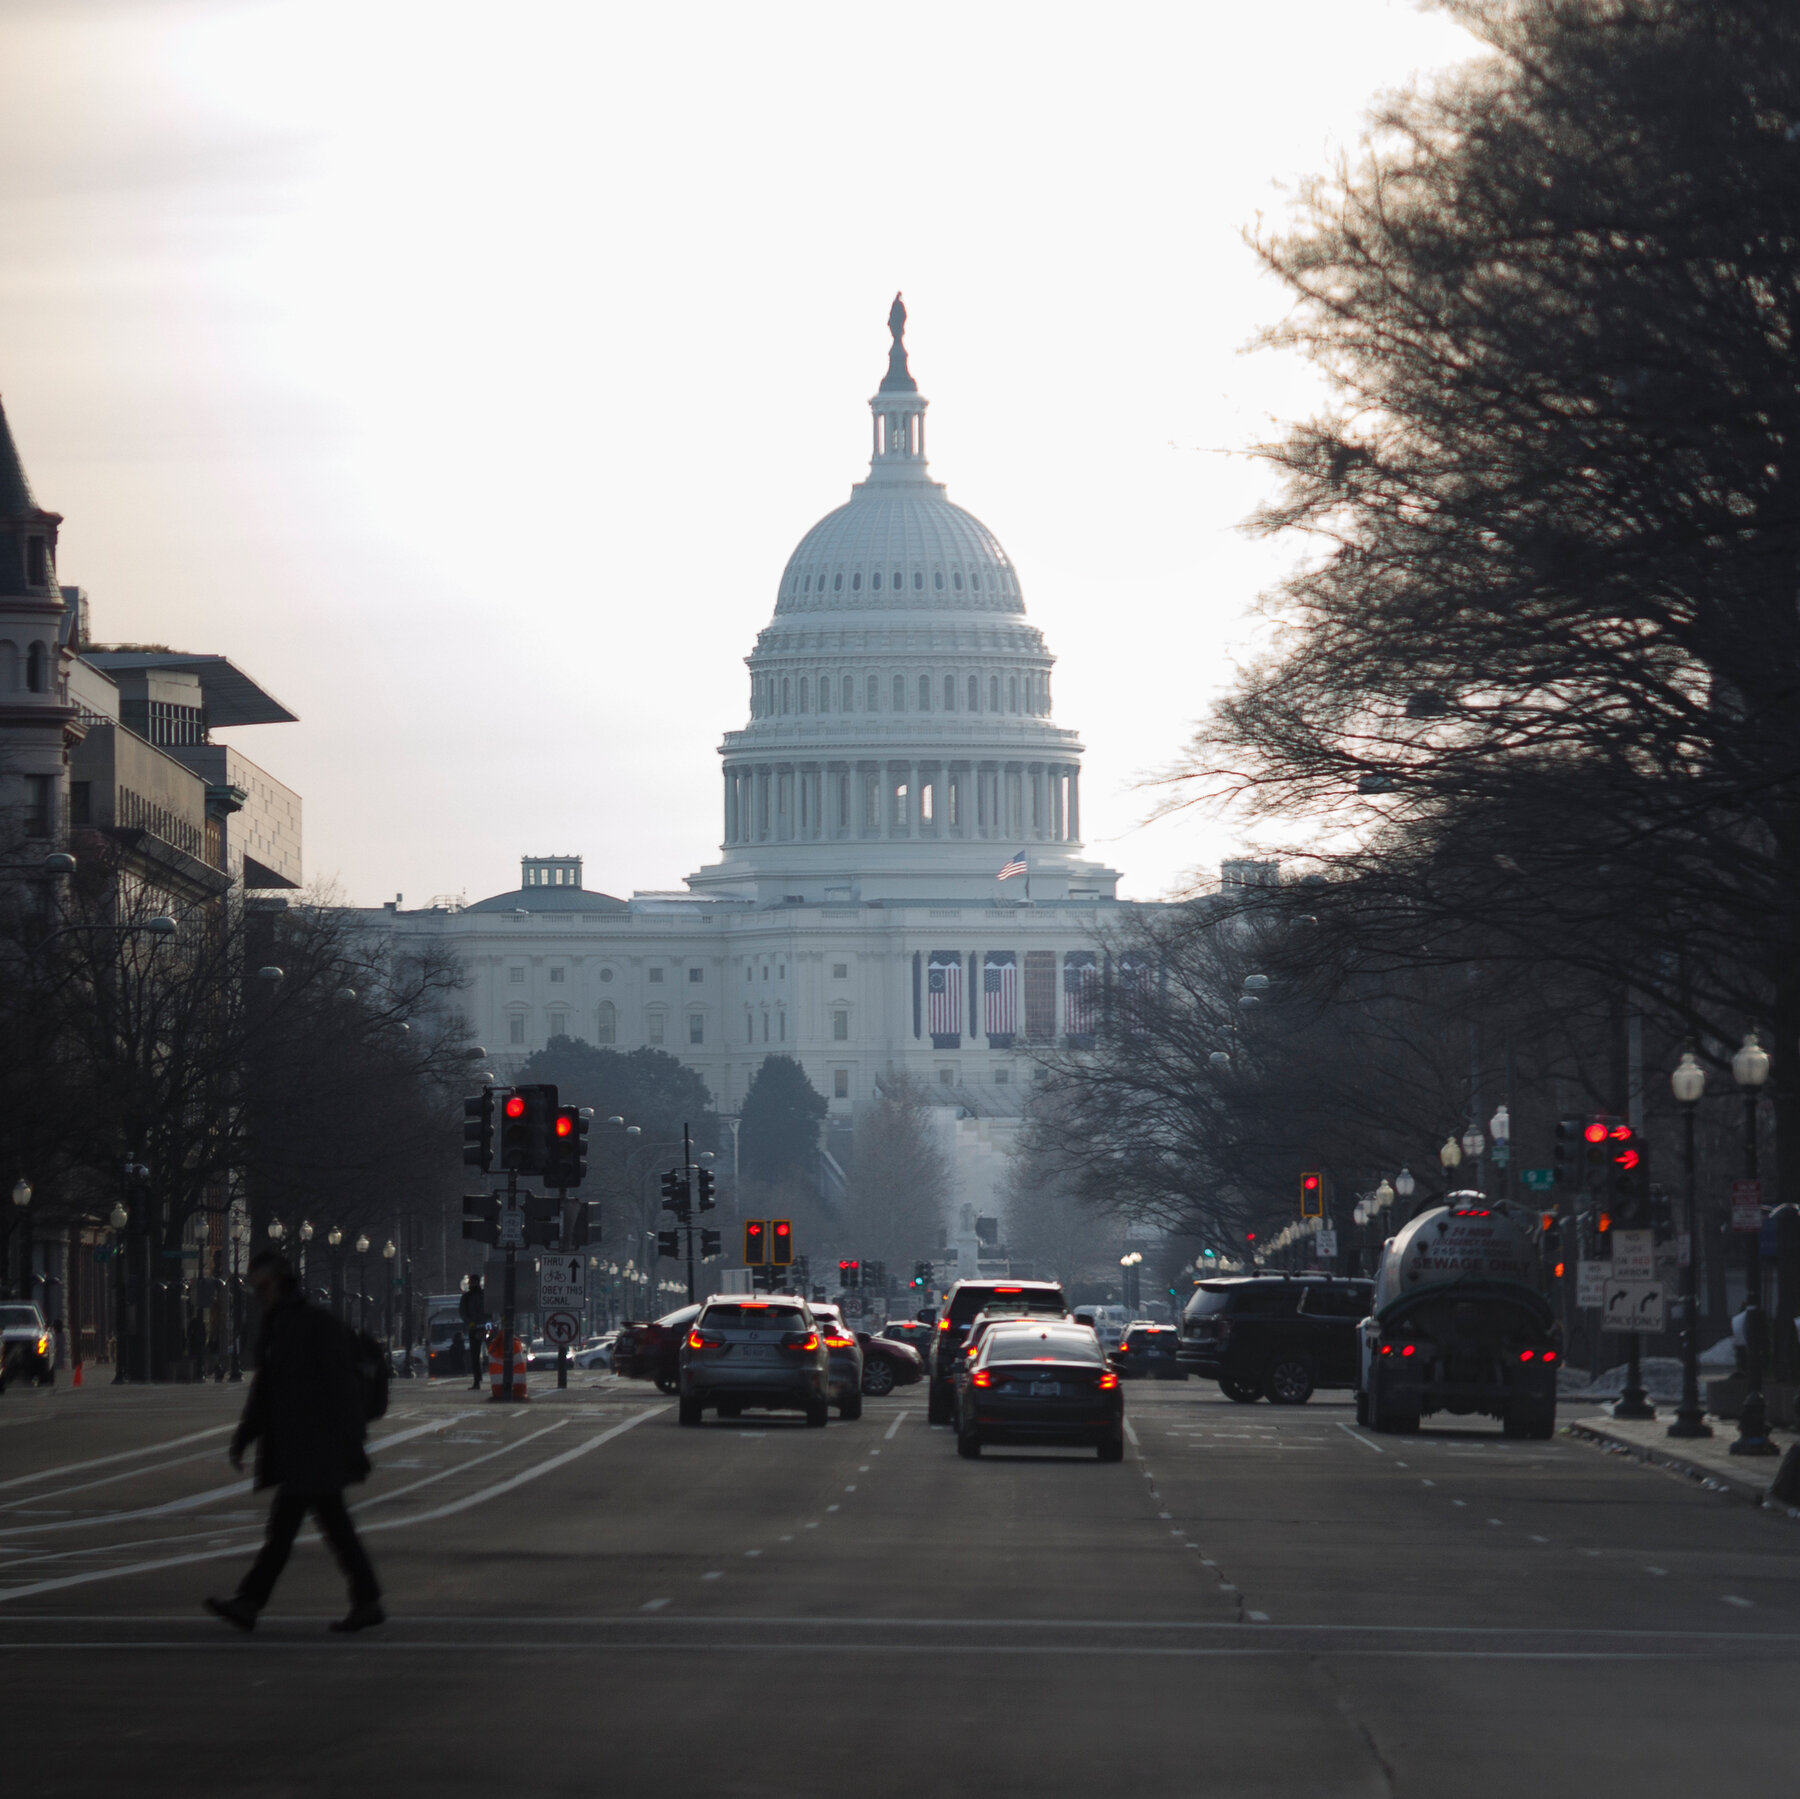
900,751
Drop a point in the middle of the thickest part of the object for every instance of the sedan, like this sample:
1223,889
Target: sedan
596,1352
653,1351
1149,1352
1041,1383
887,1364
846,1361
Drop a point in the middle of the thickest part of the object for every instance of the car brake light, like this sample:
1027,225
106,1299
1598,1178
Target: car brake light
1009,1289
943,1324
1123,1349
981,1378
1549,1355
1107,1382
1527,1355
1387,1349
1409,1349
840,1342
806,1345
699,1340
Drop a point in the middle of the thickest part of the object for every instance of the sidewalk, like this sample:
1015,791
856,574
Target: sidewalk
1705,1459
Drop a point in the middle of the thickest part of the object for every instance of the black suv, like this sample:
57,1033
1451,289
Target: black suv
962,1304
1275,1336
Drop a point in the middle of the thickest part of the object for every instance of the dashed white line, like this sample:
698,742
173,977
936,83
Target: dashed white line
1649,1570
892,1428
1540,1539
653,1605
1459,1502
1257,1617
1734,1599
1364,1441
829,1508
752,1554
1131,1434
713,1574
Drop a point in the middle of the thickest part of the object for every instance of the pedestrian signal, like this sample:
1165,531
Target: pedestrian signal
703,1190
668,1243
710,1245
756,1243
478,1130
782,1241
675,1192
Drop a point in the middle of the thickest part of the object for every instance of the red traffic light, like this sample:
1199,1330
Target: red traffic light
565,1124
1596,1132
1620,1133
515,1105
1627,1158
1603,1222
1310,1183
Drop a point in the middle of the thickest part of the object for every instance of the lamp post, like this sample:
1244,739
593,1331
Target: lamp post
21,1198
119,1217
388,1251
1750,1069
1450,1158
1129,1282
362,1282
335,1238
305,1234
1688,1083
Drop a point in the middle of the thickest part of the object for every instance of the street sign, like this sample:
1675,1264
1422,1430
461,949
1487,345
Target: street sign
1634,1255
1538,1180
1590,1282
561,1327
512,1228
1632,1307
1746,1205
562,1283
1327,1242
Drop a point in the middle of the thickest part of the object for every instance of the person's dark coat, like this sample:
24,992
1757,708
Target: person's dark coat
304,1410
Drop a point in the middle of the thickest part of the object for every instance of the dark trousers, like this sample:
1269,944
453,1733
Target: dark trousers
476,1335
285,1516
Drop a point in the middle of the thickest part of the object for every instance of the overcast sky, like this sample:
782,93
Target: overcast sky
467,371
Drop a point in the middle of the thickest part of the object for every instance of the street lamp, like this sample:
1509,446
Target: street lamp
334,1238
1404,1184
362,1281
1750,1069
119,1217
276,1231
1473,1143
1450,1155
388,1251
1688,1083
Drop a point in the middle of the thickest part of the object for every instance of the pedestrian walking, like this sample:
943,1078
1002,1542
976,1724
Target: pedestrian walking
304,1414
474,1315
196,1347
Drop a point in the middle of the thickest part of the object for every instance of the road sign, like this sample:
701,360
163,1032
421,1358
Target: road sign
1632,1306
512,1227
1327,1242
1538,1180
1590,1282
1746,1205
562,1283
561,1327
1634,1255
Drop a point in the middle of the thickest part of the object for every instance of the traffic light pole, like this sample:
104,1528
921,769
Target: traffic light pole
509,1294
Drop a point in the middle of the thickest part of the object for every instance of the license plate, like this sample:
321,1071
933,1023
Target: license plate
1045,1389
756,1352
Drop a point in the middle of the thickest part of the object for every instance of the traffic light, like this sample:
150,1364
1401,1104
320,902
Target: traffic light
1630,1159
585,1230
849,1274
1662,1215
568,1148
481,1217
1603,1221
710,1245
781,1254
756,1243
1312,1196
1569,1153
921,1276
668,1243
675,1192
478,1130
703,1190
527,1123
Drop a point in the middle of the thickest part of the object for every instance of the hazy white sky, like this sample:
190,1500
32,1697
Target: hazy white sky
467,371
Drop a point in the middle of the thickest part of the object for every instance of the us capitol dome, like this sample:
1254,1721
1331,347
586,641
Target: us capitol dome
900,741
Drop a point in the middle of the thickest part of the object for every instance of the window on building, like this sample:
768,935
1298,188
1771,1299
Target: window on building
696,1027
840,1027
874,694
606,1023
946,1077
37,562
656,975
81,802
855,582
696,975
606,974
824,693
949,693
837,583
955,799
516,975
840,971
937,579
557,974
1012,693
956,579
924,693
37,678
40,805
749,1026
559,1024
781,971
515,1028
843,798
899,693
765,1018
840,1082
1002,1076
781,1026
654,1024
927,802
918,580
875,582
787,694
765,971
805,694
993,693
974,693
849,698
900,807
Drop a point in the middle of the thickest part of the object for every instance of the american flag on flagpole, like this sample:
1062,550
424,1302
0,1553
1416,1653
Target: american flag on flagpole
1015,867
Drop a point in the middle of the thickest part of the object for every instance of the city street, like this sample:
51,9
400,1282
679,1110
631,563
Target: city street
584,1596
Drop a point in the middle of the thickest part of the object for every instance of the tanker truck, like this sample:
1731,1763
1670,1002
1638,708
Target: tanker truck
1459,1325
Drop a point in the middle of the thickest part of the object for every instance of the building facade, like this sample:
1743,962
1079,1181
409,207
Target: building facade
900,752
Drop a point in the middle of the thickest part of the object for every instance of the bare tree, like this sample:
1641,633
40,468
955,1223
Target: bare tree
900,1183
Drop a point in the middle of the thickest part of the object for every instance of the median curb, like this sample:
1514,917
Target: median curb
1734,1482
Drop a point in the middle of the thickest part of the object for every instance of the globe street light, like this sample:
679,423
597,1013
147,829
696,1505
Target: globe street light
1688,1083
362,1281
1450,1155
1750,1069
334,1238
1404,1184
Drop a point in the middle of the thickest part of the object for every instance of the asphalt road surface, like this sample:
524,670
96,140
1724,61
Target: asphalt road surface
586,1598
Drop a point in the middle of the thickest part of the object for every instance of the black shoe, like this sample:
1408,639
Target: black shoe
235,1610
361,1617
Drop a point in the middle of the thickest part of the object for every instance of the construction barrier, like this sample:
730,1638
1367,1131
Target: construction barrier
497,1367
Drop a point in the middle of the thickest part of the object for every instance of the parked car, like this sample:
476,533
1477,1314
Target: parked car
26,1352
1149,1352
1041,1382
540,1352
763,1351
962,1305
596,1352
888,1364
911,1331
846,1361
653,1351
1279,1336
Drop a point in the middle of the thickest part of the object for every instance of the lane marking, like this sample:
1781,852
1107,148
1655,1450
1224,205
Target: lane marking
1650,1570
1257,1617
536,1472
1131,1434
1364,1441
653,1605
829,1508
1733,1599
751,1554
123,1455
1496,1522
892,1428
1540,1539
784,1539
713,1575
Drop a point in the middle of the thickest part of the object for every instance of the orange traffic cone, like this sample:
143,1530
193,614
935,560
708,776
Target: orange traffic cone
76,1382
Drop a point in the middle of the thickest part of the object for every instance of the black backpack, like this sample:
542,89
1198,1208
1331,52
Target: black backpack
370,1361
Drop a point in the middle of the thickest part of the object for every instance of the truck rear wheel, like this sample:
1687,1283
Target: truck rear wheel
1245,1392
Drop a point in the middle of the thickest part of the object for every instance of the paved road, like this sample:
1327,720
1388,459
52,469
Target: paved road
586,1597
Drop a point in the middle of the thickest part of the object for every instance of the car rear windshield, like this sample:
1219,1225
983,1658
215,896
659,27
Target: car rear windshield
970,1300
1145,1332
1017,1343
756,1318
13,1318
671,1320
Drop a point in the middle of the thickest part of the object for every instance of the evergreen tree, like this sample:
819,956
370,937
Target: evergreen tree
779,1135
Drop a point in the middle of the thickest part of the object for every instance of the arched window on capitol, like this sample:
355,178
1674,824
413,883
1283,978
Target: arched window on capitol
949,693
974,693
993,693
849,695
805,694
924,693
899,693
